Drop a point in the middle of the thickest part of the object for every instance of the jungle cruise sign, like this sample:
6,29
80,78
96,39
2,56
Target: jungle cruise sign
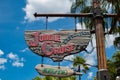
57,45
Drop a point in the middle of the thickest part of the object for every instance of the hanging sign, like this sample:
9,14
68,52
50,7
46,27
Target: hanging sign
57,45
48,70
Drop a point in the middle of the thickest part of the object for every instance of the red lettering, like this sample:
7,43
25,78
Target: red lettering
70,48
57,38
40,38
49,37
55,50
47,47
34,42
49,50
45,50
63,49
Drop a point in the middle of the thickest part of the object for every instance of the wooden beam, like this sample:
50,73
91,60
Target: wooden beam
105,15
64,15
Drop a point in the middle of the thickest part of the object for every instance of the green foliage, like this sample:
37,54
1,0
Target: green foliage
37,78
112,69
54,78
117,42
80,6
95,78
116,5
116,59
113,64
79,61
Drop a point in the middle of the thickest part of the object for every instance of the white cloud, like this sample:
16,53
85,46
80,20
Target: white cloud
2,67
16,61
24,50
91,58
18,64
1,52
3,60
12,56
22,59
71,57
2,63
69,66
46,6
80,26
109,40
90,75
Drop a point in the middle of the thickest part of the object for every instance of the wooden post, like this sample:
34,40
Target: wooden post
102,73
101,55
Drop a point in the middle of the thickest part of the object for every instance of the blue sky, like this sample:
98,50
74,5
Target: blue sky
17,62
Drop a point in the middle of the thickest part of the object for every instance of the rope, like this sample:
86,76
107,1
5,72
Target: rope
42,61
46,23
75,25
58,65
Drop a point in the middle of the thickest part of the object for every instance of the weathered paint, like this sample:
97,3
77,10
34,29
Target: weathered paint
57,45
47,70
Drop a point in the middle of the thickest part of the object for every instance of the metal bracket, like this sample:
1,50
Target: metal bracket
97,12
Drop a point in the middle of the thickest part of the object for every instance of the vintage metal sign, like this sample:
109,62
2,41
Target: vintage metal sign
48,70
57,45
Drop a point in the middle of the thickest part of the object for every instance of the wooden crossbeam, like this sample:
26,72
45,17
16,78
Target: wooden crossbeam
105,15
64,15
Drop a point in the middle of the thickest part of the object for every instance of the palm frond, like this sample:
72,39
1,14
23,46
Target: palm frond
117,42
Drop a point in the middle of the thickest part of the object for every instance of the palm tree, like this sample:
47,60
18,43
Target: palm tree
116,59
48,78
69,78
117,39
81,7
44,78
112,69
54,78
95,78
78,62
115,5
37,78
113,64
72,78
115,27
